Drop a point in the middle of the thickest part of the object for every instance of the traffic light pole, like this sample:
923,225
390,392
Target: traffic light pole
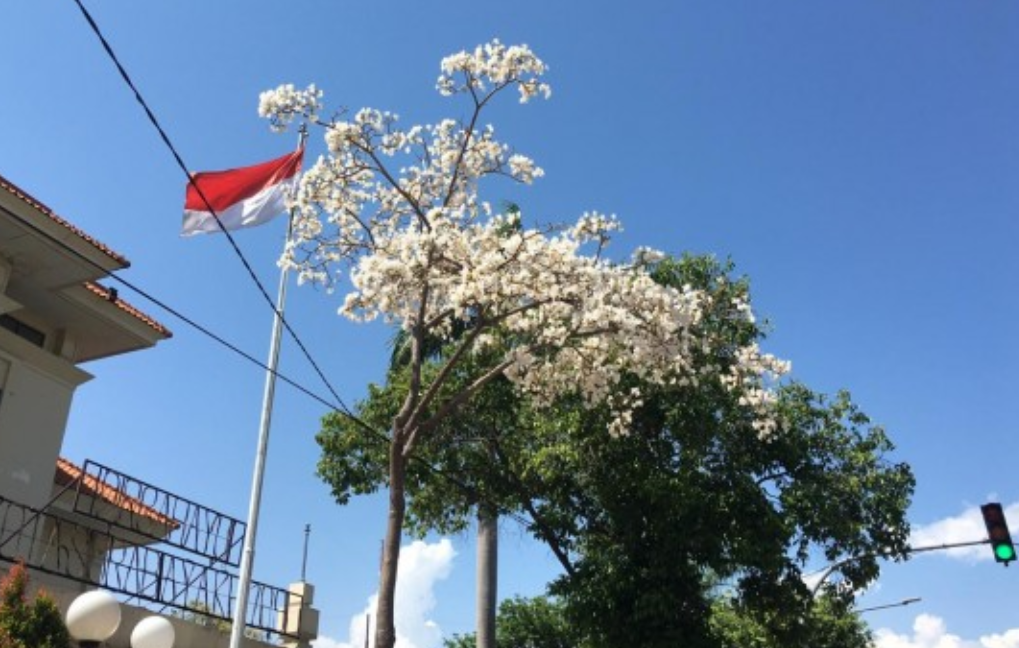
902,603
827,571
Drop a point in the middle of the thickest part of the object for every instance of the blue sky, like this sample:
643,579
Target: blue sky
857,160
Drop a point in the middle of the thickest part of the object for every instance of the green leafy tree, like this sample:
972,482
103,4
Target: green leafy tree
453,472
26,623
695,489
528,623
646,523
452,482
541,622
403,210
830,623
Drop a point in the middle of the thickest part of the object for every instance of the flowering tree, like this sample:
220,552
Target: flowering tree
400,211
27,622
670,534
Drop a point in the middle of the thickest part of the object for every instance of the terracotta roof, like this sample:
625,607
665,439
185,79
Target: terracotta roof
110,295
67,472
12,188
94,288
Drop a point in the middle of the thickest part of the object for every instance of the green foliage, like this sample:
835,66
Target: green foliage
527,623
454,471
25,623
694,489
541,622
646,524
827,624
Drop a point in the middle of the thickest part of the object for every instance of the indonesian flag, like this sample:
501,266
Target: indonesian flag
242,197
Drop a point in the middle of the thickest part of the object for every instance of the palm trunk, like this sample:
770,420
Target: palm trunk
487,577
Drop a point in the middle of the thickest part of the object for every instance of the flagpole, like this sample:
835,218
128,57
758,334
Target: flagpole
248,554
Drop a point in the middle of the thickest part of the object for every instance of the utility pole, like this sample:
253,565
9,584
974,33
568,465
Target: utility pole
304,559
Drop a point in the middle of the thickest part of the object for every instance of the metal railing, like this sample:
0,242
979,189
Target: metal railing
91,549
196,529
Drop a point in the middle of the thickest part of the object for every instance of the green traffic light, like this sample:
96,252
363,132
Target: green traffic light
1005,552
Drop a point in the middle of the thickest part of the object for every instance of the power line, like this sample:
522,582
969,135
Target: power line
184,168
184,318
371,432
342,409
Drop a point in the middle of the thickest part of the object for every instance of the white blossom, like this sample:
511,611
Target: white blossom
491,67
284,103
399,210
523,169
645,256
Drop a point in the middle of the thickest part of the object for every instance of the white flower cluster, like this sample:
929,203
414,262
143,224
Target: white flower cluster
594,226
753,373
523,169
493,66
743,309
399,208
285,102
645,256
571,314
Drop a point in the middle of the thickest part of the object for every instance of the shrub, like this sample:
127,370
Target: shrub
29,624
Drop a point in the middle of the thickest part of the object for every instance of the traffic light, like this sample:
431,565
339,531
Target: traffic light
997,531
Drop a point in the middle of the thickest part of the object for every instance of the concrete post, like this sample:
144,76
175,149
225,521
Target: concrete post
301,620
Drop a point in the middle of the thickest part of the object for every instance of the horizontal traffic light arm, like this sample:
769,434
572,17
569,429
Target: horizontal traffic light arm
879,554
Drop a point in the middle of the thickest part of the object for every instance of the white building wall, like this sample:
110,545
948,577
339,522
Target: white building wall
37,392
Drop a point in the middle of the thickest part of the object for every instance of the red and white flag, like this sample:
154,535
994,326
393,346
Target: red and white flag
242,197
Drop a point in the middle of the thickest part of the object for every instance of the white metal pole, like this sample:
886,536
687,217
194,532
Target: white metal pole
248,554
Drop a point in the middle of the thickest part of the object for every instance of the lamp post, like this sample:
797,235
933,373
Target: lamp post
94,617
153,632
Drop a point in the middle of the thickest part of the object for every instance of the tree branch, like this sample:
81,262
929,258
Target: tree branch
452,404
527,502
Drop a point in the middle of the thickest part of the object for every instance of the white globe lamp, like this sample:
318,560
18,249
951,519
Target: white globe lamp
93,617
153,632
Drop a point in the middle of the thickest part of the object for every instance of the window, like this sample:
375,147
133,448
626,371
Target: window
22,330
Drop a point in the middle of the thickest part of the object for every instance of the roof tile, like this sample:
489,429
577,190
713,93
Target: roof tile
17,191
110,295
67,472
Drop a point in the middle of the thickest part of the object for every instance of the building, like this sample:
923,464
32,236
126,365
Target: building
83,527
53,317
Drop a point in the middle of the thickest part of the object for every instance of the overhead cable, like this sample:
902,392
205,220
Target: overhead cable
342,408
184,168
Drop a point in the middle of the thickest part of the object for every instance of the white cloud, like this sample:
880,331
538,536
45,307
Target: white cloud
931,632
422,565
1010,639
328,642
928,632
965,527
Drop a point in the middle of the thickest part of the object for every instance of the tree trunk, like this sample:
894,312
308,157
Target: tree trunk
385,628
487,577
